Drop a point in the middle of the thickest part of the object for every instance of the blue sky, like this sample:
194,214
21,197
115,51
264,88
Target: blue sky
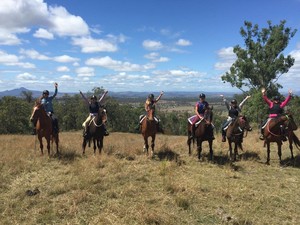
132,45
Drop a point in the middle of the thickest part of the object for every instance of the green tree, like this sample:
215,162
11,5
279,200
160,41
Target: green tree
262,62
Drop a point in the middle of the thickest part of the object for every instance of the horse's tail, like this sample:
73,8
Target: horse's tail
296,140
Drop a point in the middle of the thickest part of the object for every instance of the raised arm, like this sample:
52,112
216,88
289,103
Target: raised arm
84,98
161,94
226,102
102,97
243,102
286,101
268,101
55,91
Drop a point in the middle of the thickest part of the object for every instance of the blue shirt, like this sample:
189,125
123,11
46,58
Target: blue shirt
202,106
47,102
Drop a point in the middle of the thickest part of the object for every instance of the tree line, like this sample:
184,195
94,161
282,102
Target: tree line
124,117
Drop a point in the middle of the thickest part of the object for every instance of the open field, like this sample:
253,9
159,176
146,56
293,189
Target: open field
123,186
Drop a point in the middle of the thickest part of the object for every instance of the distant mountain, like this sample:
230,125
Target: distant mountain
126,94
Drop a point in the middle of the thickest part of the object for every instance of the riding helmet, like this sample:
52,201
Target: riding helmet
93,97
276,98
233,101
45,92
202,95
151,96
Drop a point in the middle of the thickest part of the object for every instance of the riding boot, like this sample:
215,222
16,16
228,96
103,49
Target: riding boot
33,131
159,129
105,131
262,137
85,132
282,133
223,135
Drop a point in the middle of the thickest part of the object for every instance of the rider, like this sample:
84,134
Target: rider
275,109
94,107
200,108
46,101
233,112
150,104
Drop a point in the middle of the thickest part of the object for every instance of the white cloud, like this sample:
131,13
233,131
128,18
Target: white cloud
26,77
65,24
66,78
227,58
183,42
43,33
152,45
19,16
90,45
33,54
161,59
152,55
62,69
13,60
115,65
65,59
85,72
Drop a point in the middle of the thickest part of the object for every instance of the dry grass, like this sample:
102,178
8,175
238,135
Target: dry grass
123,186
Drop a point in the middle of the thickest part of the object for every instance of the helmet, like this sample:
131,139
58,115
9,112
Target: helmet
233,101
94,97
202,95
151,96
45,92
276,98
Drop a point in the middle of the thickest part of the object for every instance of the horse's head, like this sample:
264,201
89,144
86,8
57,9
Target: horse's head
244,123
289,122
37,111
208,114
150,114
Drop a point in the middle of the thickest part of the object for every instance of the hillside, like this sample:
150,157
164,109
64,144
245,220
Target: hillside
124,186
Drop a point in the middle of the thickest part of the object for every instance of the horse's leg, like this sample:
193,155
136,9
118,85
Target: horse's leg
268,152
100,146
199,147
230,148
279,144
152,145
291,145
48,145
84,145
41,144
235,150
94,145
146,145
210,143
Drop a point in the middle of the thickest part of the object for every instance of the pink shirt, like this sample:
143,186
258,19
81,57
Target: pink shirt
270,104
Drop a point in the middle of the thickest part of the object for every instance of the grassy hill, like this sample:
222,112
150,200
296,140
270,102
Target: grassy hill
124,186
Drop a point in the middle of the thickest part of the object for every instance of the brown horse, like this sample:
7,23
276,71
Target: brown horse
44,127
235,134
149,129
273,132
95,132
203,132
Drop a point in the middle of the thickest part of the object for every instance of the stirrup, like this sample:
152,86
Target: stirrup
261,137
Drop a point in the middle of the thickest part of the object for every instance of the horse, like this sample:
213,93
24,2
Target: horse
95,132
273,132
203,132
44,127
149,129
235,134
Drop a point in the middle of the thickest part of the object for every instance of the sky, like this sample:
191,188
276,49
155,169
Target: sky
133,45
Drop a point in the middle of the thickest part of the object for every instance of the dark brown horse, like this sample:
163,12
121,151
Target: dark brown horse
235,134
95,132
44,127
149,129
203,132
273,132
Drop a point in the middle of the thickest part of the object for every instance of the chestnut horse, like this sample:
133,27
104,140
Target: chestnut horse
203,132
235,134
44,127
95,132
273,133
149,129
